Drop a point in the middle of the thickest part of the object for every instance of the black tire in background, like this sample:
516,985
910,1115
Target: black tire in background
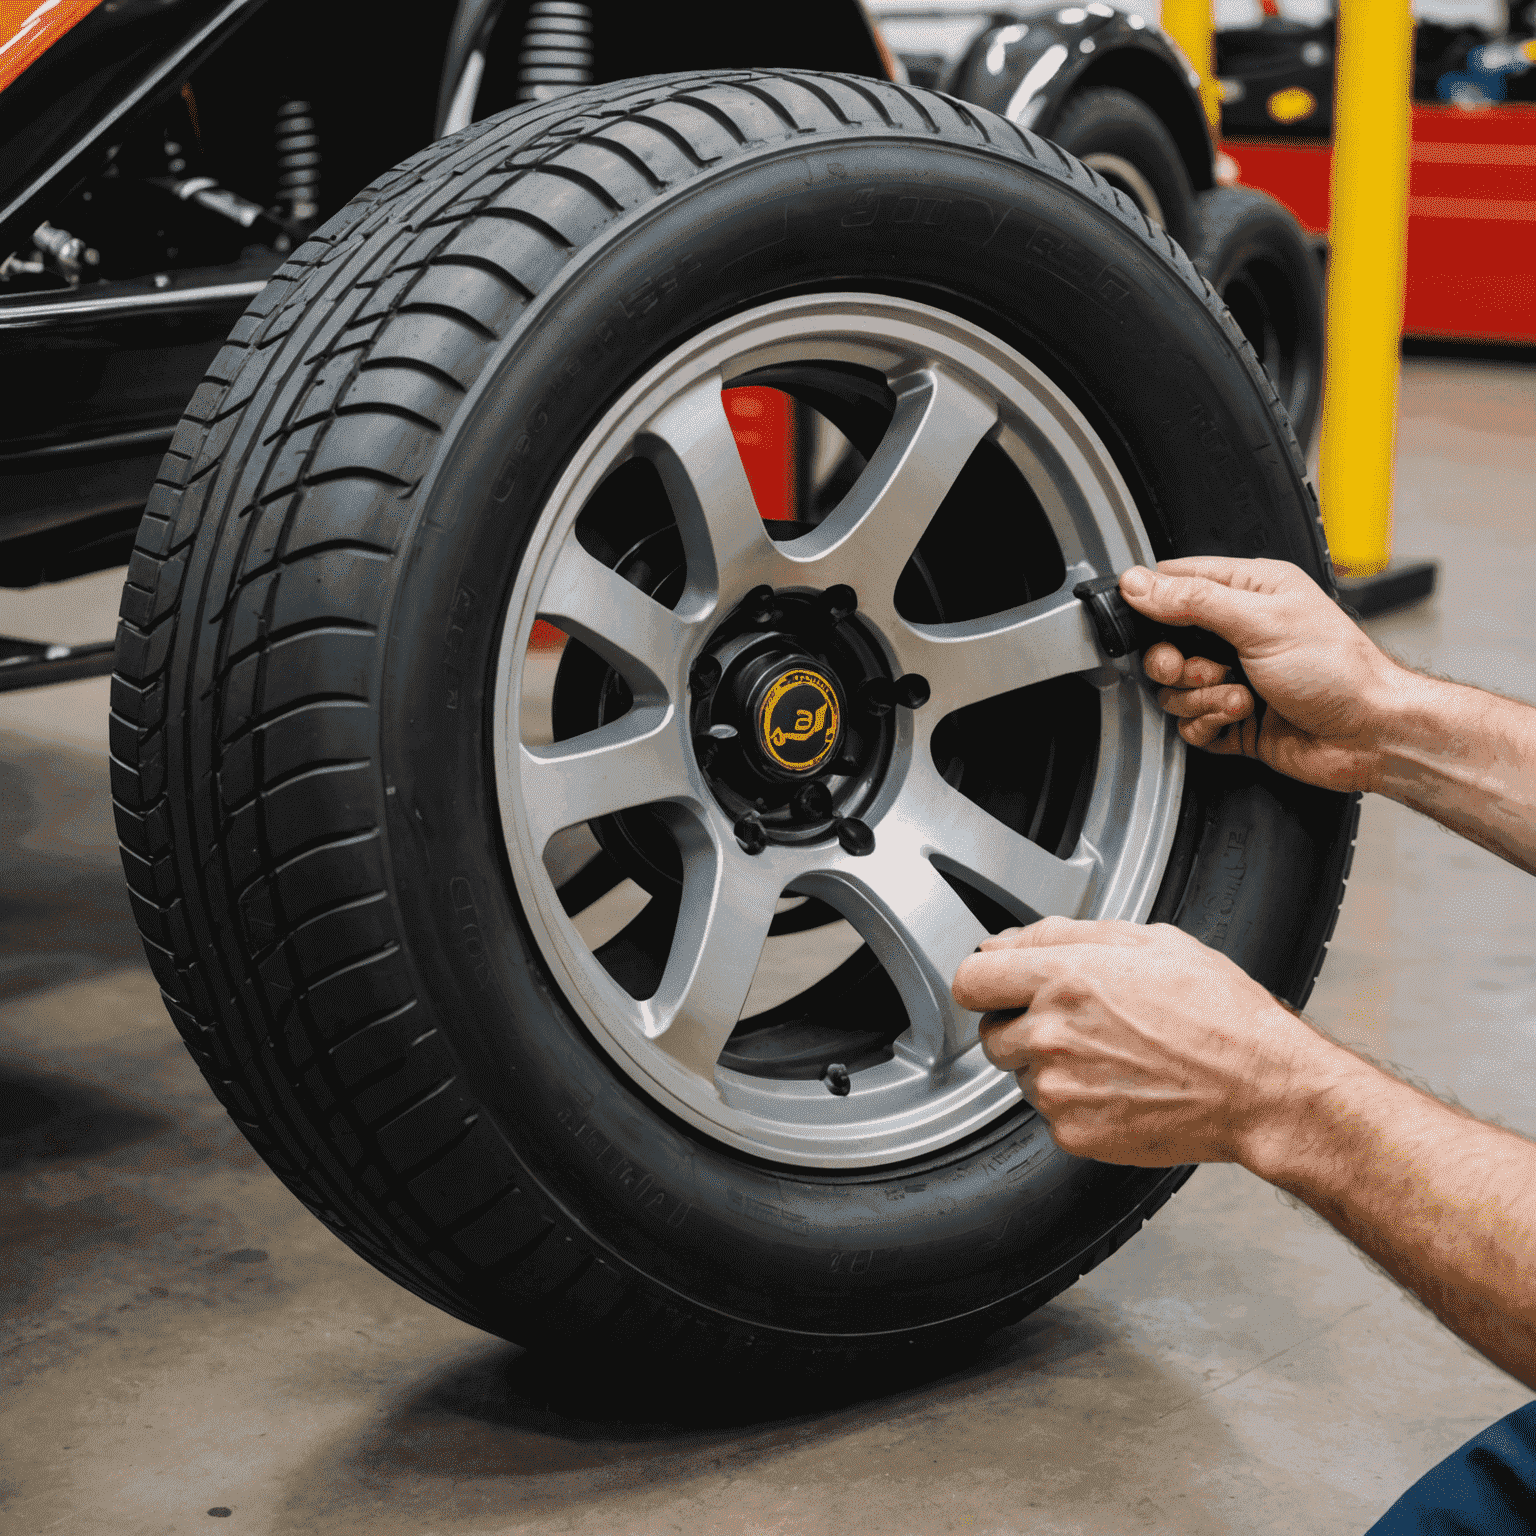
1125,141
302,732
1256,256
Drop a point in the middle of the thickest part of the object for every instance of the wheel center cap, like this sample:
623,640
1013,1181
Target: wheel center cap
796,720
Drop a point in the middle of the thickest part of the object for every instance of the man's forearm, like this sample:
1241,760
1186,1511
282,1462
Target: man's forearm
1465,757
1443,1202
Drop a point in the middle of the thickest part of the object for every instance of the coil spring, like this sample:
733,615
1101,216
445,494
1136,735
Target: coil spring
556,56
298,162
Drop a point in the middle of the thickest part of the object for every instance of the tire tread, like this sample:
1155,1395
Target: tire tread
338,381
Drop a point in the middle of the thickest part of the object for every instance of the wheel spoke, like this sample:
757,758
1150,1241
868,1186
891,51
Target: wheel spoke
728,903
920,931
869,538
1022,876
635,760
632,632
981,658
694,451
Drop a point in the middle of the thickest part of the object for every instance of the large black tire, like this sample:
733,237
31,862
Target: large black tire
1125,141
302,730
1256,256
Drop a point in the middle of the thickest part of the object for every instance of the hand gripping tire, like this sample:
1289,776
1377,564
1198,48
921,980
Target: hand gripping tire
489,393
1256,257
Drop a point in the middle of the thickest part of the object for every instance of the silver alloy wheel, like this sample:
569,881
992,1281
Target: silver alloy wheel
955,386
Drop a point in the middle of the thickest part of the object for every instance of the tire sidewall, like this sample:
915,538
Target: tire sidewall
1237,227
1106,118
1008,1214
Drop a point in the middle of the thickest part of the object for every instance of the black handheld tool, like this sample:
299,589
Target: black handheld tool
1122,631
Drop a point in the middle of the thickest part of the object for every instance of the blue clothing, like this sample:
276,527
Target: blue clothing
1487,1488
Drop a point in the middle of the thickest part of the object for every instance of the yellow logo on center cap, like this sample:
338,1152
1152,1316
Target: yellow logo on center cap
797,722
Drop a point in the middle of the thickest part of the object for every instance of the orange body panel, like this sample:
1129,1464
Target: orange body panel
1471,216
28,28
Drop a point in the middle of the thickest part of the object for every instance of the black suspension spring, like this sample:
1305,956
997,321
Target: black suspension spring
556,56
298,162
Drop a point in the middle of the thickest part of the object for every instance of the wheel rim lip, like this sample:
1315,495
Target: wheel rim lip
787,1121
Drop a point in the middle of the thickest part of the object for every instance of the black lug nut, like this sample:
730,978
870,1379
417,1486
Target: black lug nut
877,696
854,835
837,1080
839,603
812,802
704,676
758,605
845,763
707,743
750,833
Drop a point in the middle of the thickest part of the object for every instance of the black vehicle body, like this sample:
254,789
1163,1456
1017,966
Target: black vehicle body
141,99
1027,61
96,374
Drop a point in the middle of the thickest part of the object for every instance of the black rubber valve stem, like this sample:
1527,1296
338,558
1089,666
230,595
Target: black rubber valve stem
1122,631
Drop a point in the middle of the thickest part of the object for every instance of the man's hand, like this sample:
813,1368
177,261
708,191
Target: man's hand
1327,686
1140,1045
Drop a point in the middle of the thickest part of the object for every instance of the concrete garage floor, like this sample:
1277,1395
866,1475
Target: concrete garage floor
182,1339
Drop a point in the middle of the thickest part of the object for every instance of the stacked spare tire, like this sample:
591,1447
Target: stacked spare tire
455,647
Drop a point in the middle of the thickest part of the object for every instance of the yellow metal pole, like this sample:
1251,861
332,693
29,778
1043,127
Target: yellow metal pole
1188,23
1368,236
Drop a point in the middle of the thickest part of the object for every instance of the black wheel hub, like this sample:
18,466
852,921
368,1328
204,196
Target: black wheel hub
791,711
